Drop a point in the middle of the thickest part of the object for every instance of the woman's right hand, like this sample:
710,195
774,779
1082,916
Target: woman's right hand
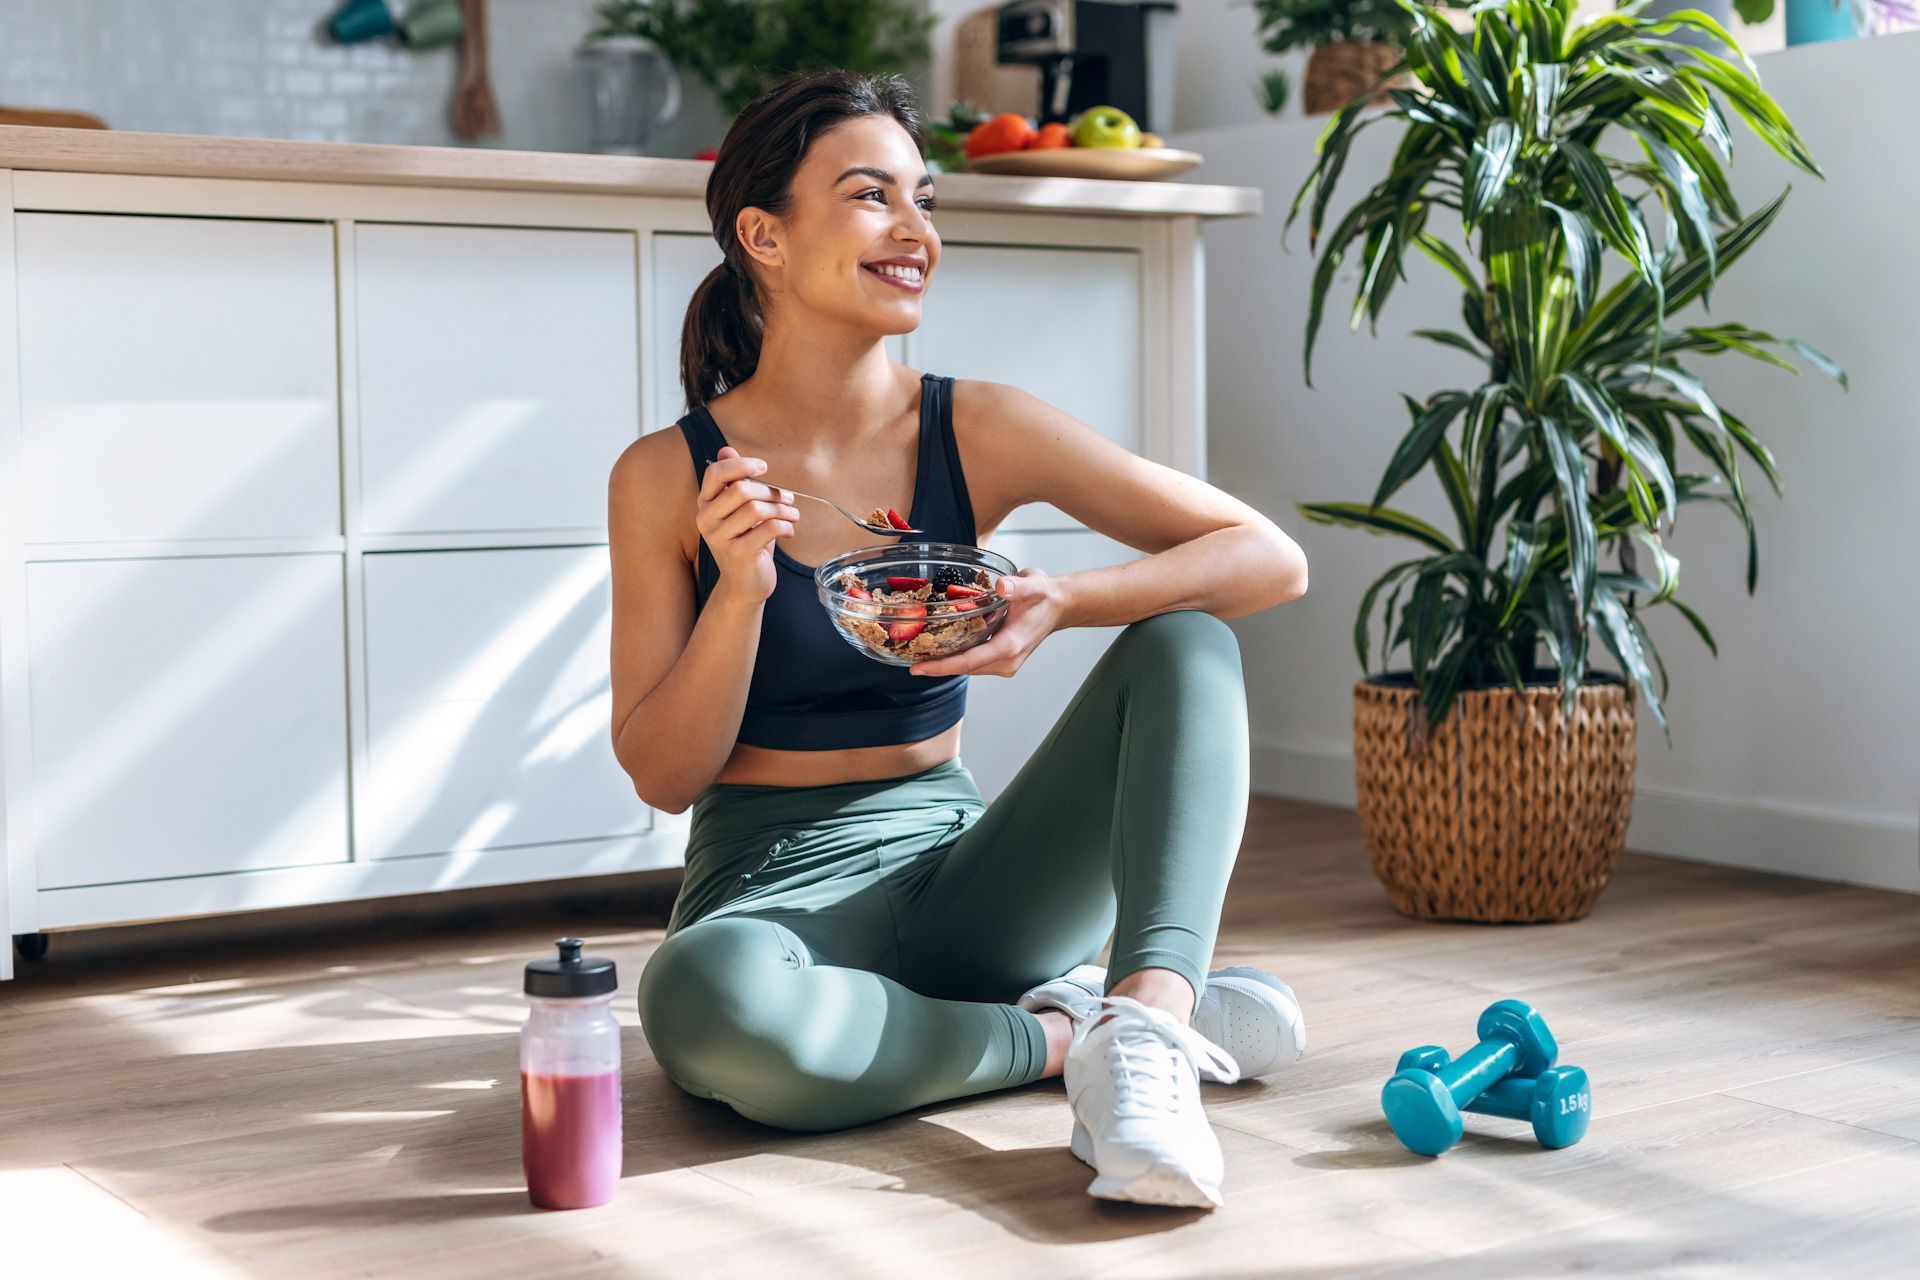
740,517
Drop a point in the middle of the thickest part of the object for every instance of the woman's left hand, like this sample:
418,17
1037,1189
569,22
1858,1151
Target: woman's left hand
1038,605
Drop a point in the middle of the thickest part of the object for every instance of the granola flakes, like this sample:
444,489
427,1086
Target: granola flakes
951,622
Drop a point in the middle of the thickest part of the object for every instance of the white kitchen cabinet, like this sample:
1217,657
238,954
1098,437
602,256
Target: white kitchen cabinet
303,567
177,378
1081,308
680,263
488,706
497,375
186,716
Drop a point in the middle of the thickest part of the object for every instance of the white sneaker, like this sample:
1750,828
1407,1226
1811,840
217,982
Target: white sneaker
1251,1014
1255,1017
1133,1081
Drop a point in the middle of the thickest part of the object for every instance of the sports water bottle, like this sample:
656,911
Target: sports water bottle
570,1081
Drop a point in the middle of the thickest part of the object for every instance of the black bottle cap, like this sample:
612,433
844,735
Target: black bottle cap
570,974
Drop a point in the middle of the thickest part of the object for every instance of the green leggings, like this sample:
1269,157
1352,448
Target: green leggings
846,952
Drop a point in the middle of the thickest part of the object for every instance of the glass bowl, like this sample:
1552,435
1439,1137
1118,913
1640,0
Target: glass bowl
904,622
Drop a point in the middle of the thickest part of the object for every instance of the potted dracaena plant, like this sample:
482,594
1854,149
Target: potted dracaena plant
1486,793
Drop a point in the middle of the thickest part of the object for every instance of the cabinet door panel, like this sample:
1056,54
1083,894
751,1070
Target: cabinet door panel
187,716
177,378
1008,718
499,375
488,705
1086,361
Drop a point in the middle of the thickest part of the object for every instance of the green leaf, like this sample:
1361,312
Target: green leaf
1430,110
1752,104
1684,185
1685,383
1376,520
1423,622
1570,473
1460,342
1440,690
1666,566
1599,408
1430,422
1526,542
1821,361
1699,625
1700,20
1616,218
1629,305
1323,275
1459,491
1366,609
1567,627
1547,81
1626,643
1750,444
1449,257
1518,278
1583,251
1489,167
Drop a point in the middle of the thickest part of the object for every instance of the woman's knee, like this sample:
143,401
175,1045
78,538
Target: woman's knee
710,993
727,1012
1182,638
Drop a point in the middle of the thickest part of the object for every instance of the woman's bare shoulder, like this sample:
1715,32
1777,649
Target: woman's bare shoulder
653,487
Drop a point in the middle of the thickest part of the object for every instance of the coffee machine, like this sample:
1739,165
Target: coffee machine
1095,53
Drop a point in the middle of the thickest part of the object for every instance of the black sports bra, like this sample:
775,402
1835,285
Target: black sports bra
811,690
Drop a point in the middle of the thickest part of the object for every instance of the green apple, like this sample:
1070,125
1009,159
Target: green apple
1104,127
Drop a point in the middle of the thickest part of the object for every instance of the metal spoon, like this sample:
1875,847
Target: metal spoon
868,525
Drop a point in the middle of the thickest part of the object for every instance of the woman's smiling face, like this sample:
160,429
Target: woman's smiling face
857,244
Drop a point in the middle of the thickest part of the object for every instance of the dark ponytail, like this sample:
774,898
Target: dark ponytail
720,338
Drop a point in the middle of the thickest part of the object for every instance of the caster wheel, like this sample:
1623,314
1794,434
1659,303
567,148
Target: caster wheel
31,946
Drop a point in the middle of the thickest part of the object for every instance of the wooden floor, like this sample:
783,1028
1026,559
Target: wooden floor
326,1094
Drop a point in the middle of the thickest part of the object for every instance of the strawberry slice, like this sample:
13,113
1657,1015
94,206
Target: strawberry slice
905,584
897,520
957,590
904,631
859,592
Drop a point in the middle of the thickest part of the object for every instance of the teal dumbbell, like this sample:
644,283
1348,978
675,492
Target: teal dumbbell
1424,1106
1558,1102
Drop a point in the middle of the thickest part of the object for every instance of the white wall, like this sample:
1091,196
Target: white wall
1797,749
262,69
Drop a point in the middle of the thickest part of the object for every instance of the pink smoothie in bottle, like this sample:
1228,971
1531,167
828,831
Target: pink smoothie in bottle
570,1138
570,1081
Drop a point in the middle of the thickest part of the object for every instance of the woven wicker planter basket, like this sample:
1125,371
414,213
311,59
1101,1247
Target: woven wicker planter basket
1509,814
1335,72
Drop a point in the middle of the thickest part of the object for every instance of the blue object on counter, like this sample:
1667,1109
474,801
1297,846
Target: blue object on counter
359,20
1811,21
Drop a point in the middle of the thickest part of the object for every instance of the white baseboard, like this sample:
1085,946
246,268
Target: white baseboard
1761,836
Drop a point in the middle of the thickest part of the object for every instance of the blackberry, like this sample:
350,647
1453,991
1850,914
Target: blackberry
948,575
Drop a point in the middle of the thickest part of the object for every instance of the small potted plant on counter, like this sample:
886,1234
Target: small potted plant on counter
737,48
1486,793
1353,43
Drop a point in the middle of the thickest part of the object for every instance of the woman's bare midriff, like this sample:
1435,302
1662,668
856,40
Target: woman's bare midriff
766,766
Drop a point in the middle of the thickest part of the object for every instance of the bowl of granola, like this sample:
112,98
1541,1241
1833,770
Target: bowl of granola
910,602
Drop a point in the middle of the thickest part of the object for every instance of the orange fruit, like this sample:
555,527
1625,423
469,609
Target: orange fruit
1050,135
1007,132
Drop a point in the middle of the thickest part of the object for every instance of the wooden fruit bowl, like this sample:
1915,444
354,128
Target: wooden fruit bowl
1135,163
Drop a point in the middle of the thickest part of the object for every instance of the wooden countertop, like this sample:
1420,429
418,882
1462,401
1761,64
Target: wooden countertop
192,155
